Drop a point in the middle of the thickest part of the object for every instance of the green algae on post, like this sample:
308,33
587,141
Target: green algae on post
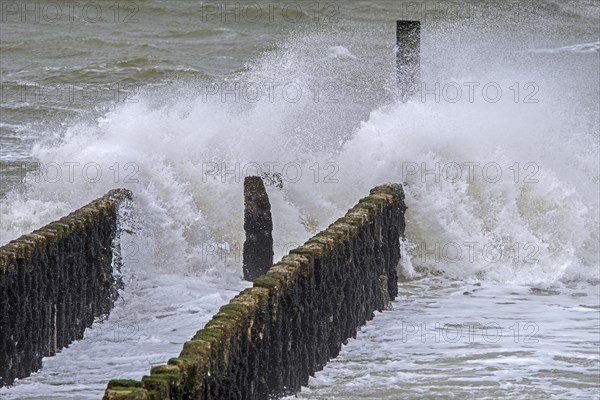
270,338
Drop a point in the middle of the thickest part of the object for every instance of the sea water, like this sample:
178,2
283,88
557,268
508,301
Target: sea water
177,101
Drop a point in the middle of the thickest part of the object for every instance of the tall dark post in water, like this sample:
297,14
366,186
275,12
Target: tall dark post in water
258,225
408,58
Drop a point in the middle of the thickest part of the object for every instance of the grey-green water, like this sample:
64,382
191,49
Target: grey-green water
144,96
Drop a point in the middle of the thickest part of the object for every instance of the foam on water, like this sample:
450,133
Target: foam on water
513,175
445,339
183,150
523,190
593,47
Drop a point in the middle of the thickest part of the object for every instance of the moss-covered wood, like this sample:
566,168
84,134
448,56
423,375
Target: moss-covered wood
270,338
53,283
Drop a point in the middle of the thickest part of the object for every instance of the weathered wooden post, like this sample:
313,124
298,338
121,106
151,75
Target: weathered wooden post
258,225
408,56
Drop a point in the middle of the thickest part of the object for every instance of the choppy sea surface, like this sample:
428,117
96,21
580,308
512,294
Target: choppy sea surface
498,152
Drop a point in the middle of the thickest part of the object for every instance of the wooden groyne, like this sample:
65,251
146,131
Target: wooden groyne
270,338
54,282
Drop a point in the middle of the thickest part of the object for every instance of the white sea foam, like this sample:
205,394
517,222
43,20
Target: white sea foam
592,47
340,51
542,211
519,178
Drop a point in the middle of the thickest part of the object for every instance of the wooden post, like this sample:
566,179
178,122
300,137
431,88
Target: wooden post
258,225
408,57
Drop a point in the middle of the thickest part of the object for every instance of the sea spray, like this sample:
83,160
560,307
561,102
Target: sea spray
496,157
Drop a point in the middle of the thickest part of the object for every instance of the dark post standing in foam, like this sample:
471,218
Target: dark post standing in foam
258,225
408,58
271,338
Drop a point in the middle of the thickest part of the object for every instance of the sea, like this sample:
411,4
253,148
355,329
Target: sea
496,146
